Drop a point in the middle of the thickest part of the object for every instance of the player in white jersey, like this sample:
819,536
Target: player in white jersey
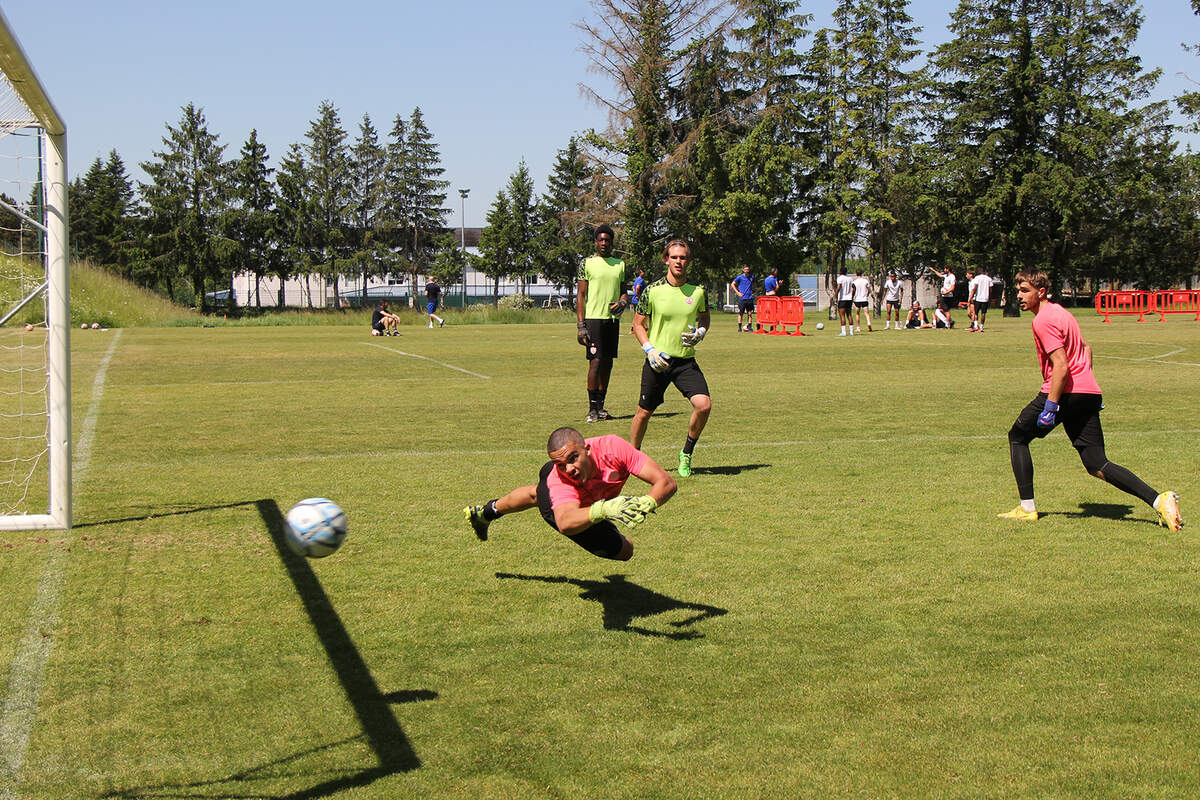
945,296
845,301
862,299
978,294
893,295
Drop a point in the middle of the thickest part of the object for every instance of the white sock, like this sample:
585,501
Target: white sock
1028,505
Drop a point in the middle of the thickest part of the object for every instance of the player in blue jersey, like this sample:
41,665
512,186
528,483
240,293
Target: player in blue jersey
743,286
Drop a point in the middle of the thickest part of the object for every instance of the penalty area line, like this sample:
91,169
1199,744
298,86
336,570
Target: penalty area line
22,696
427,358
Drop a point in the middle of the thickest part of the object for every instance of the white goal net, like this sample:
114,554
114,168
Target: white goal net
35,430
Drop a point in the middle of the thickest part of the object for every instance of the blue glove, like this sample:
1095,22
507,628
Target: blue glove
1049,416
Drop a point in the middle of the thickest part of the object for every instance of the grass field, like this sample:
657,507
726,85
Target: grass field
828,608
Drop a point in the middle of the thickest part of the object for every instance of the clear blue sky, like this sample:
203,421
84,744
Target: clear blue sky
497,82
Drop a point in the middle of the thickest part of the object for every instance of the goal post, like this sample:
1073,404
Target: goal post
35,366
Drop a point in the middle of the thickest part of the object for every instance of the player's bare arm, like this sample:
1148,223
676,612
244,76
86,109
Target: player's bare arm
641,329
1060,371
581,288
662,485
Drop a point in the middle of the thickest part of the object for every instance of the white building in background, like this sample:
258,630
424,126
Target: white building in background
316,291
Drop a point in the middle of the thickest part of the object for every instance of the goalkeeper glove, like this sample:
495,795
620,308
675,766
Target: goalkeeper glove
581,333
659,361
1049,416
624,509
692,336
618,307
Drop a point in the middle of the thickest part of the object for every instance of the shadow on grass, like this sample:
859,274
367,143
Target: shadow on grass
1114,511
380,729
623,602
730,470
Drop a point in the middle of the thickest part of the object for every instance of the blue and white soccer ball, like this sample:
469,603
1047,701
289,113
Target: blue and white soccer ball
820,326
316,527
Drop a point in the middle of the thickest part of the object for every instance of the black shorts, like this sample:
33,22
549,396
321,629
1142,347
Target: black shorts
981,306
893,304
745,306
378,326
861,303
684,373
604,333
845,305
945,302
1078,413
602,539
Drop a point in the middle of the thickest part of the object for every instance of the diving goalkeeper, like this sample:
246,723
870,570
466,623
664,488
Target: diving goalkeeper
579,493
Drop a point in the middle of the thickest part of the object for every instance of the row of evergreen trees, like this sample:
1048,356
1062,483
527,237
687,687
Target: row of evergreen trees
334,207
1027,139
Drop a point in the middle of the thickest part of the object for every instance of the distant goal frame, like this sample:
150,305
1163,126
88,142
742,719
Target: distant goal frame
17,69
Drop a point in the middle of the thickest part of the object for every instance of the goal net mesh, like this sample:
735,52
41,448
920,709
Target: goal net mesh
24,362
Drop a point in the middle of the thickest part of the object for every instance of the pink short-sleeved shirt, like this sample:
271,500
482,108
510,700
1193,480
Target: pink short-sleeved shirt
616,459
1055,328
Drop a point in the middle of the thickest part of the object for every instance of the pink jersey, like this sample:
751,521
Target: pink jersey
616,459
1054,328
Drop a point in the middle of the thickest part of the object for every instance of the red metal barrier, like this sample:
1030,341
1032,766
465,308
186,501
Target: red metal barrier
1177,302
768,314
1125,303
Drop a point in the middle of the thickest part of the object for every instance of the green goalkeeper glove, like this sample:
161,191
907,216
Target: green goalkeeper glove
624,509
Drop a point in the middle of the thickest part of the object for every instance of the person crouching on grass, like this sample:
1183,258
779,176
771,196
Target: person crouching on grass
1069,395
579,493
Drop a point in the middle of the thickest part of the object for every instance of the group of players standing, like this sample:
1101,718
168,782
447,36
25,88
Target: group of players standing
579,490
853,296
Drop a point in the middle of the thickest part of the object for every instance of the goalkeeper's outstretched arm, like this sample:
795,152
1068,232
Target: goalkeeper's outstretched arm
571,518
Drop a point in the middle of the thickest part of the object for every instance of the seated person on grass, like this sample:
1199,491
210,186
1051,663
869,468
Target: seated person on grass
917,319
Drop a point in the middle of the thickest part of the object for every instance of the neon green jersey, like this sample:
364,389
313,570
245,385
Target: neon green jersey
605,278
671,310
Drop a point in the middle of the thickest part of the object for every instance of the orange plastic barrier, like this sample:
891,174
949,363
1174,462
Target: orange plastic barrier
1177,302
1125,303
791,312
768,313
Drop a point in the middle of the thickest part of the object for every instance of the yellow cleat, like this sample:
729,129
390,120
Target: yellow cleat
1020,514
1167,506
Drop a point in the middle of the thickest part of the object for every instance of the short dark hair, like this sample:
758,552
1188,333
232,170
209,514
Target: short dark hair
1036,278
602,229
561,438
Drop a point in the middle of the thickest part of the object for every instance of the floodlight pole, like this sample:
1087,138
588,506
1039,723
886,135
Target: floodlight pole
462,240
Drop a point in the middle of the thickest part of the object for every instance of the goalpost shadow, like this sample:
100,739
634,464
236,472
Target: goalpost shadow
383,733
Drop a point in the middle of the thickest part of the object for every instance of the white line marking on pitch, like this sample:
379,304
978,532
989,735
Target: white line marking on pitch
29,664
427,358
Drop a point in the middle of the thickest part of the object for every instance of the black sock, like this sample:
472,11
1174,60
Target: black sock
594,399
489,510
1022,467
603,393
1126,481
689,444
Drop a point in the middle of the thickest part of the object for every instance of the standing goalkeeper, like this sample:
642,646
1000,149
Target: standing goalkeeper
671,319
601,299
579,493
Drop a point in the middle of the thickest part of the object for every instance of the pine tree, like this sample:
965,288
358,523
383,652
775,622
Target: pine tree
497,243
417,194
636,44
367,197
296,214
328,172
185,198
563,233
252,220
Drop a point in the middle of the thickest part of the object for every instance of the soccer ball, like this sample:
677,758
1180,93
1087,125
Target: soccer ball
28,326
374,331
316,527
95,326
820,326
